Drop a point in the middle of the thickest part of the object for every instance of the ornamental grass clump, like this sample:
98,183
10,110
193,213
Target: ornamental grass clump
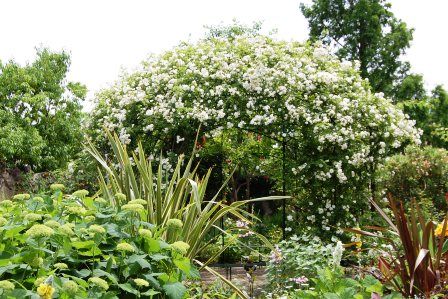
178,205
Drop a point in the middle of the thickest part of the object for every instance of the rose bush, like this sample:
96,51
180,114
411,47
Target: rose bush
286,97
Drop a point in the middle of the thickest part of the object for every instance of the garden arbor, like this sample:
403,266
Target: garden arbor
261,101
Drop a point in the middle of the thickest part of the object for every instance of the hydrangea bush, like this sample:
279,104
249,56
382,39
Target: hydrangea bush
284,95
75,246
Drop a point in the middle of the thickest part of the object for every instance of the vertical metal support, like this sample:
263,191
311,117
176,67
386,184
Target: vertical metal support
284,189
222,234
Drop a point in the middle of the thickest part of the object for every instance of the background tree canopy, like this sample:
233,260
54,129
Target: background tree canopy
40,112
363,30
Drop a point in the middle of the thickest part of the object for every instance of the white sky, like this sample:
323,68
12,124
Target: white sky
105,35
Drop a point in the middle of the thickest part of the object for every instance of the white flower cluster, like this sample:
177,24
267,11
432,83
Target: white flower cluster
290,91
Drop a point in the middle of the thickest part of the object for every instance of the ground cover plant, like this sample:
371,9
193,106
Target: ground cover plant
76,246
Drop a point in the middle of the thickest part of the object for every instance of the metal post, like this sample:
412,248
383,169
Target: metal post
284,189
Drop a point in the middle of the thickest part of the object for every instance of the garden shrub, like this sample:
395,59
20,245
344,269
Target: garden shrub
75,246
261,95
420,173
298,259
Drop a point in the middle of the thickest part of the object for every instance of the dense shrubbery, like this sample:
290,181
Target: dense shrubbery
420,173
77,246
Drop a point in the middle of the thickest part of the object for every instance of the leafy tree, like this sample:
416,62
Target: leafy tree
410,88
40,112
431,115
363,30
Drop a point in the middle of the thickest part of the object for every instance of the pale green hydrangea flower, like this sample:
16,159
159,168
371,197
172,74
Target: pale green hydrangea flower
38,199
120,197
6,203
89,218
145,232
180,247
31,217
141,282
80,193
39,230
23,196
60,266
36,262
138,201
2,221
100,200
135,207
99,282
66,229
98,229
76,210
56,187
174,223
6,285
70,287
52,223
125,247
39,281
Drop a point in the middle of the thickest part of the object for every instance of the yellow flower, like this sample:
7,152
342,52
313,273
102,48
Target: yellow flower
120,197
45,291
439,230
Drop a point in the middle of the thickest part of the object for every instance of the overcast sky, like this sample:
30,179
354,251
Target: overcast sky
105,35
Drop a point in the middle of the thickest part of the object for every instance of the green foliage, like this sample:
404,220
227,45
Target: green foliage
177,195
417,173
299,256
413,262
363,30
412,87
102,252
216,290
333,284
40,113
